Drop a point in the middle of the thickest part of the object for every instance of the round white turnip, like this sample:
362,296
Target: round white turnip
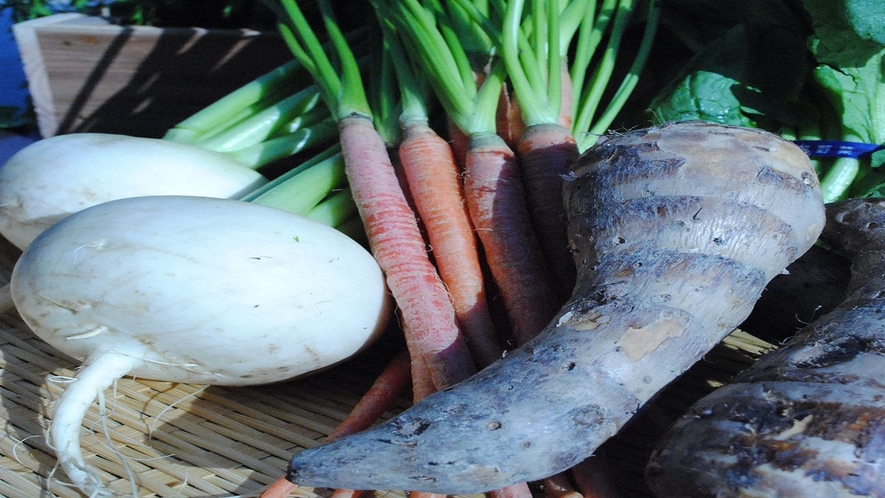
192,289
58,176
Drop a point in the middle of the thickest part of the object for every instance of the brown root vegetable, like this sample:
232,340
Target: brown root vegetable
809,418
675,231
810,287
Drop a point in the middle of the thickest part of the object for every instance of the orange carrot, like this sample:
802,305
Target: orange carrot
398,246
493,187
387,387
566,108
281,488
496,203
458,141
545,152
348,493
396,242
435,183
508,118
545,147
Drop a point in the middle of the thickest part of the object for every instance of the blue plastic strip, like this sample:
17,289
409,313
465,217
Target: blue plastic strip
835,148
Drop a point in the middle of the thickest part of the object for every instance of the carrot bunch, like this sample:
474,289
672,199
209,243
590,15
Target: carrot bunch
469,226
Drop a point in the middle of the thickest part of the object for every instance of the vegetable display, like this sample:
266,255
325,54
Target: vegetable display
806,419
192,289
549,274
676,230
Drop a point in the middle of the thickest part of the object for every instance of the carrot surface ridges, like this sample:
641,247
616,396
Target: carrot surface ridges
399,248
496,202
546,151
435,183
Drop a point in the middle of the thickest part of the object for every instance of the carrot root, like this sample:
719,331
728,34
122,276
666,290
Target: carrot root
496,203
508,118
545,153
280,488
399,248
435,182
389,385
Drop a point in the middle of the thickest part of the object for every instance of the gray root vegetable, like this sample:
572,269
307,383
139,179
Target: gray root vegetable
675,231
809,418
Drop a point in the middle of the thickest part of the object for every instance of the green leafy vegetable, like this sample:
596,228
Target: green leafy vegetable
750,72
810,70
850,71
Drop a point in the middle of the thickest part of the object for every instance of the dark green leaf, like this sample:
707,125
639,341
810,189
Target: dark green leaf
750,71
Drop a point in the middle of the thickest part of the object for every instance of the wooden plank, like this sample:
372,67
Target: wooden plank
87,75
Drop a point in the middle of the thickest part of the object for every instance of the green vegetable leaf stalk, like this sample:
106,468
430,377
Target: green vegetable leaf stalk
850,70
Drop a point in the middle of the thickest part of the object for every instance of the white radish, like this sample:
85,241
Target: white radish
192,289
58,176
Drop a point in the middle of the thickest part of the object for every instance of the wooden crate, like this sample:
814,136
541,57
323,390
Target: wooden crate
85,74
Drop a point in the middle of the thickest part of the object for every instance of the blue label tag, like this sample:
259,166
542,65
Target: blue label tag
835,148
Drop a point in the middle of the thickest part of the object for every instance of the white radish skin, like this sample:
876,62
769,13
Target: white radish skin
192,289
58,176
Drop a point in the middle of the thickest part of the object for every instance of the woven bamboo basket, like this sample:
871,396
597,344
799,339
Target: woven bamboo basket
178,440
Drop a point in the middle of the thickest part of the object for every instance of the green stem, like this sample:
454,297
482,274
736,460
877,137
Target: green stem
309,119
253,94
839,177
384,93
590,34
591,99
622,94
264,153
457,95
306,48
263,124
301,189
570,20
482,119
554,61
352,97
412,89
334,209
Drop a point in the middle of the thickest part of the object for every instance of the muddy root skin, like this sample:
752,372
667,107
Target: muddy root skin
809,418
675,232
